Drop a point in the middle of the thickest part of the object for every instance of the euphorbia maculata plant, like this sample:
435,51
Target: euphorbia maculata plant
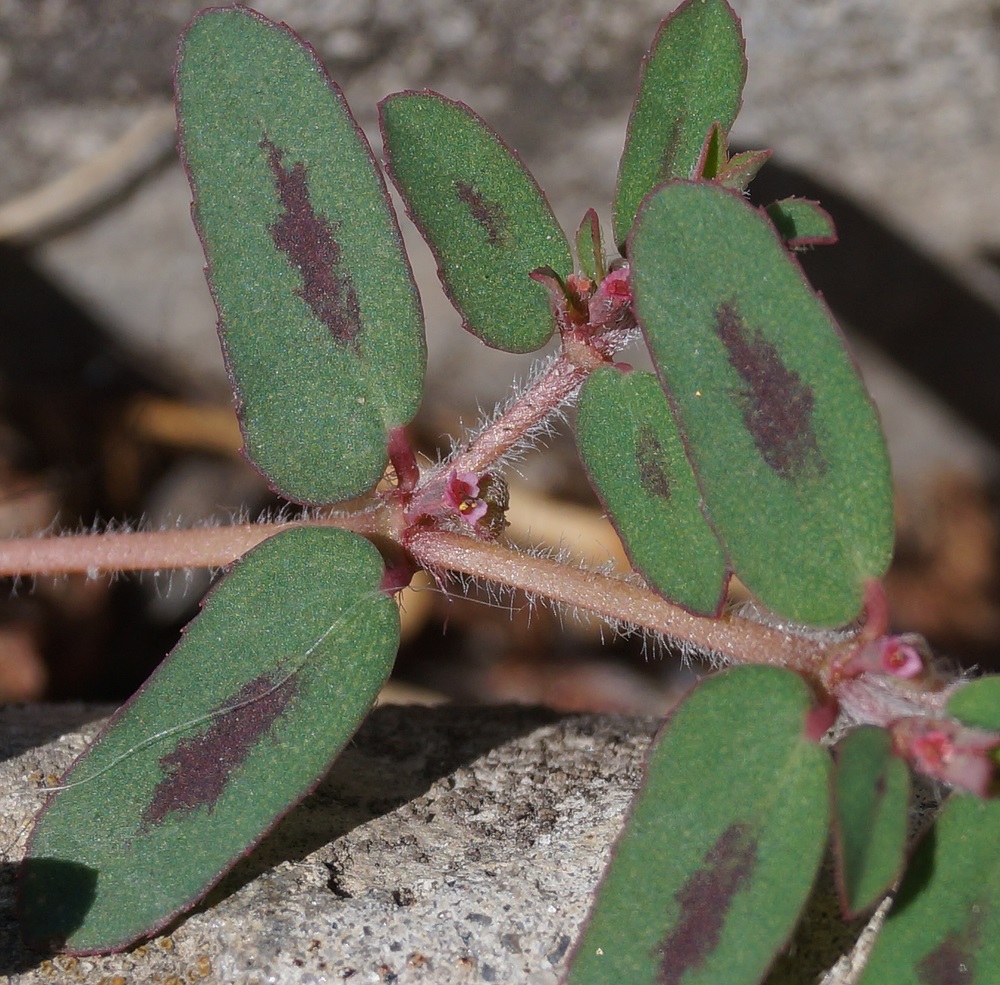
752,450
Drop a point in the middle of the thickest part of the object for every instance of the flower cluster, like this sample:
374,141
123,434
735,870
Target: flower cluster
480,501
953,753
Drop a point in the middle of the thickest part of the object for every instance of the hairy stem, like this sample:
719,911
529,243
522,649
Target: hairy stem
152,550
556,385
735,639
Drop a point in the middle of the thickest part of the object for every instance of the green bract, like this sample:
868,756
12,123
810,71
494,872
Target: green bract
318,314
482,214
722,845
236,725
802,222
691,78
589,254
783,438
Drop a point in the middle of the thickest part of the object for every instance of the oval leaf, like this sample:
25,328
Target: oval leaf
944,926
978,703
240,721
691,78
630,446
482,214
783,437
722,845
871,797
318,313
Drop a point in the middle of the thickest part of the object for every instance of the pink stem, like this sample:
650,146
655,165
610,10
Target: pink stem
550,391
739,640
196,547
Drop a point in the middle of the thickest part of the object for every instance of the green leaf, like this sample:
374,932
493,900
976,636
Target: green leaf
722,845
783,437
483,215
742,168
978,703
714,154
589,251
240,721
318,313
631,448
802,222
944,926
716,165
871,797
692,77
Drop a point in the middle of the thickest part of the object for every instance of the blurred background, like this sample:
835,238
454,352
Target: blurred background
114,406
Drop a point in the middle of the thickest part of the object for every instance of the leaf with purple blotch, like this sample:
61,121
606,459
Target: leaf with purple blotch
635,458
722,844
482,213
318,314
236,725
944,925
783,437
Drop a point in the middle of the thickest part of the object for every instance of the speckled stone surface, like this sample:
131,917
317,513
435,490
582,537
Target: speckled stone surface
891,104
447,845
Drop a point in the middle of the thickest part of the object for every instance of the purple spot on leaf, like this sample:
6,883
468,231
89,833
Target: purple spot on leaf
309,241
489,215
704,902
953,961
652,464
777,406
199,768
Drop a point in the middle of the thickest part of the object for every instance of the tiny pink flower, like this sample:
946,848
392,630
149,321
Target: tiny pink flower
899,658
896,656
462,494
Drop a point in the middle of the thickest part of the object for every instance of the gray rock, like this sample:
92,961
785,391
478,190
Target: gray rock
892,104
447,845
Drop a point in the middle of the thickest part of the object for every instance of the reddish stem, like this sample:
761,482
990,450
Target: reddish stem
738,640
195,547
557,384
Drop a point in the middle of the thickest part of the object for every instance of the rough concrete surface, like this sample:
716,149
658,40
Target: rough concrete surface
892,105
448,845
